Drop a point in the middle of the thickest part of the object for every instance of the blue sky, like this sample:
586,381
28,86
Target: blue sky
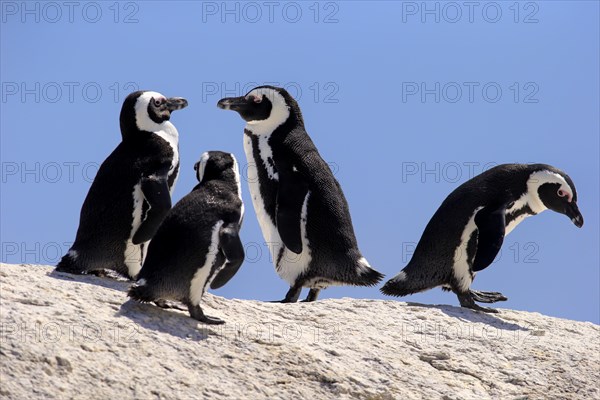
404,102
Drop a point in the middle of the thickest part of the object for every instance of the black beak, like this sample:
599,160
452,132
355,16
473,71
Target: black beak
176,103
233,103
572,211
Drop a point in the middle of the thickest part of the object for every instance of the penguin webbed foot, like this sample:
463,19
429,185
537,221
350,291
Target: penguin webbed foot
197,313
70,271
467,301
100,273
313,294
166,304
291,296
487,297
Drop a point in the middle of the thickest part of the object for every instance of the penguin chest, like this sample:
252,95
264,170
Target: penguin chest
515,214
263,182
464,254
171,138
135,254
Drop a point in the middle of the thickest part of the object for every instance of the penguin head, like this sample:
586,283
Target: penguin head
216,165
556,191
148,111
264,105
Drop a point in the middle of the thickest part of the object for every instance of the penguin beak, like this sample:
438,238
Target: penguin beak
572,211
176,103
233,103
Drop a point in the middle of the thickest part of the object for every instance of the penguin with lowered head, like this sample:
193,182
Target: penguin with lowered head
466,233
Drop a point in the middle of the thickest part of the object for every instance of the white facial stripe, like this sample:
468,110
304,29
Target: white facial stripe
539,178
202,166
166,130
280,112
142,119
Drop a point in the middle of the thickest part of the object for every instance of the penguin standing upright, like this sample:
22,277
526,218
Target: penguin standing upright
467,231
198,243
301,209
131,192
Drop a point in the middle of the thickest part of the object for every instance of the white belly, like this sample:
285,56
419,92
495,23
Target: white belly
134,256
171,136
290,265
462,268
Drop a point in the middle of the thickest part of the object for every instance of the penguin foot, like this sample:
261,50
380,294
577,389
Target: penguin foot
72,271
313,294
487,297
100,273
212,320
292,295
169,304
197,313
467,301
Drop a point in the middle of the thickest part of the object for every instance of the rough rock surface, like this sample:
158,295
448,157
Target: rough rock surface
69,336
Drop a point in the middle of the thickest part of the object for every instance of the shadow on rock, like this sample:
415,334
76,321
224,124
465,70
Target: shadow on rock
169,321
109,281
469,315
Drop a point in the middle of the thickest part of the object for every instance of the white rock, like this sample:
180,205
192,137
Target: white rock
65,336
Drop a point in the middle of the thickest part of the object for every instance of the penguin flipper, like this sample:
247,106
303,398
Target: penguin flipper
491,224
232,247
156,192
291,195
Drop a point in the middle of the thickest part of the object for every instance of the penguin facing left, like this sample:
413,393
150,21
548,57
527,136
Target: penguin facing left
198,244
131,193
301,208
466,232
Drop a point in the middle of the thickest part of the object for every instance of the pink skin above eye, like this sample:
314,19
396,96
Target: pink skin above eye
563,193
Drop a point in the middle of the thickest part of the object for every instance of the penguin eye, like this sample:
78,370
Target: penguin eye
561,193
257,99
157,102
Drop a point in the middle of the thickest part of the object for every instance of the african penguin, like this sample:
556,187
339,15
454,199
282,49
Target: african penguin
466,232
131,193
198,244
301,209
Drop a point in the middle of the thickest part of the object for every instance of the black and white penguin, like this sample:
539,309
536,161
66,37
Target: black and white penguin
131,193
301,209
465,234
198,243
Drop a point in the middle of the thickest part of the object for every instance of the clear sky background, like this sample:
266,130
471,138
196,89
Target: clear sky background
404,102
